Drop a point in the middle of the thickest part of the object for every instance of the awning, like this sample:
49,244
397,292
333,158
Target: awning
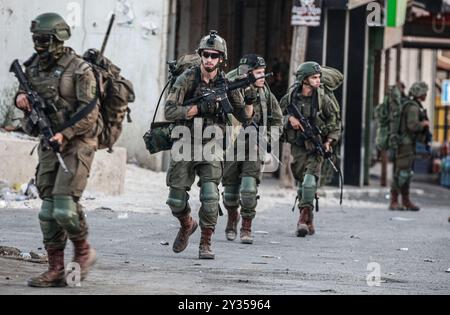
426,29
345,4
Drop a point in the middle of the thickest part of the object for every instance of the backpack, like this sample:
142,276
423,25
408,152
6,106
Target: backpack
388,115
115,93
158,138
331,79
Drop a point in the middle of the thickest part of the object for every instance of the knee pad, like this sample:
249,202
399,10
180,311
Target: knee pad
177,200
309,186
209,196
404,177
46,213
249,189
65,213
49,227
231,196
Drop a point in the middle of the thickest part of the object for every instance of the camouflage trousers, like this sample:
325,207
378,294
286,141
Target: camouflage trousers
403,167
53,182
305,162
181,175
234,171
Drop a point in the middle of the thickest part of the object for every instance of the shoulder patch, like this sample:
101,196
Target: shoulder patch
82,68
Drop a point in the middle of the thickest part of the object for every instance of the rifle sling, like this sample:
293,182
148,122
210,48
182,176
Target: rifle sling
80,115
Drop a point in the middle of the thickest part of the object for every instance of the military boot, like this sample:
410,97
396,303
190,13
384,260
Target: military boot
246,231
85,256
302,225
205,251
310,223
55,275
394,205
188,227
231,229
407,203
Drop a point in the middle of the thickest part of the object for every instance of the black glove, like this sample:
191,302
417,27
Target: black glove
250,96
208,108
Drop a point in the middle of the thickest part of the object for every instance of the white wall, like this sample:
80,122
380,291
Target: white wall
142,59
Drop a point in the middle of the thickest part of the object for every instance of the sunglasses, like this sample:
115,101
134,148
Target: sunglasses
42,40
206,55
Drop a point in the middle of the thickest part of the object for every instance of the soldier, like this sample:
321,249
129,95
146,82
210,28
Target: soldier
67,85
310,99
181,174
414,126
241,178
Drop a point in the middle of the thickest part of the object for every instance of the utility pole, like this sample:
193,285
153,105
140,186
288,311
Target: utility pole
384,153
299,41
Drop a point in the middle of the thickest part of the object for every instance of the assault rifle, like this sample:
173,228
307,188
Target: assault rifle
37,114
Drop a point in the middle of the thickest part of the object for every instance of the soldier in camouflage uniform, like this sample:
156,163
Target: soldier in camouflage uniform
414,127
67,84
241,178
307,164
181,174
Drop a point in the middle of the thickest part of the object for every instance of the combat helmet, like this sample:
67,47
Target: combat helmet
51,24
307,69
418,89
250,62
213,42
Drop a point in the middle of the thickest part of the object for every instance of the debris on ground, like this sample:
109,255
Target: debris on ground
271,256
401,219
18,192
328,291
122,216
17,254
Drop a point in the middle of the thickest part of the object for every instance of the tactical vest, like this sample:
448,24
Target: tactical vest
263,108
314,115
56,86
406,136
196,90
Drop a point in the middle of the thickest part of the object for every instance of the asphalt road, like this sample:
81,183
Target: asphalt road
411,250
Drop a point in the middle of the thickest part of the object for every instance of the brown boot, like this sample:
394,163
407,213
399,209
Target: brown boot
407,203
188,227
54,276
302,225
85,256
231,229
246,231
394,205
310,223
205,251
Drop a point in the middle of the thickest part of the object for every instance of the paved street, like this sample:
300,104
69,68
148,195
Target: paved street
411,248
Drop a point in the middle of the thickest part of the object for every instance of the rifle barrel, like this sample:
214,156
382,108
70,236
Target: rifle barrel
108,32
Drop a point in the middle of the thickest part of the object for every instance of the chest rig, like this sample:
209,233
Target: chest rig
310,107
198,87
47,82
